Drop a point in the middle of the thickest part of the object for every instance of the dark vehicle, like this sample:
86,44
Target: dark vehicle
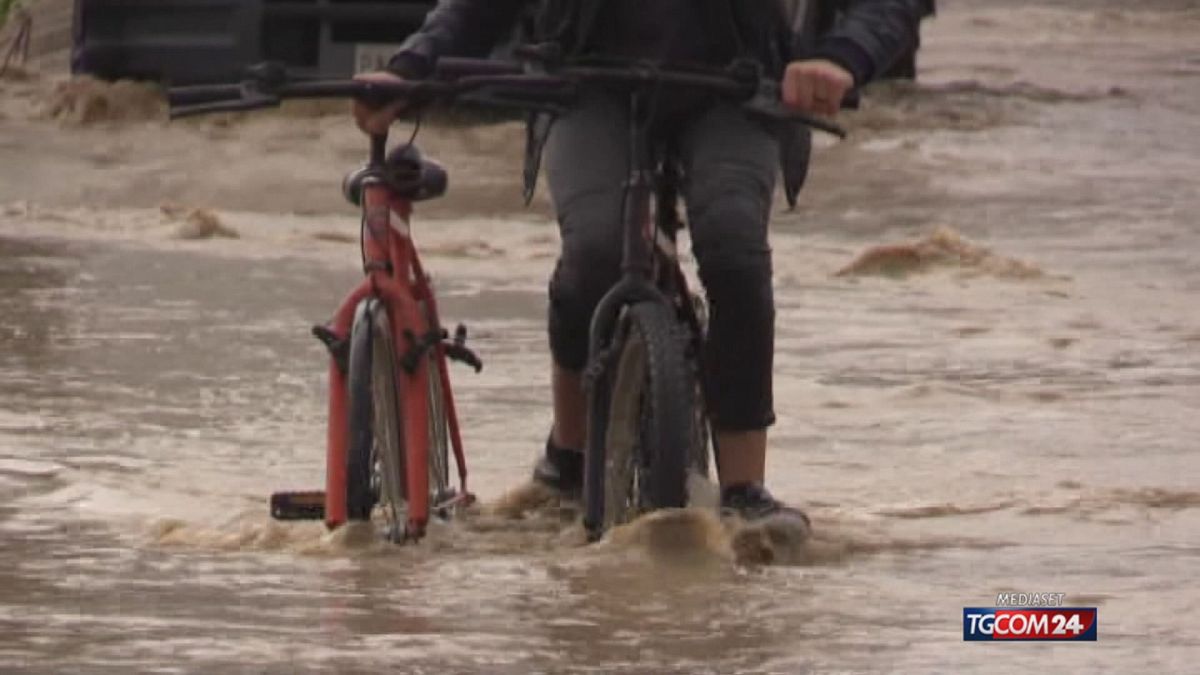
203,41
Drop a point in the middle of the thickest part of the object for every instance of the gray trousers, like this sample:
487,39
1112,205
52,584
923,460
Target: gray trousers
729,165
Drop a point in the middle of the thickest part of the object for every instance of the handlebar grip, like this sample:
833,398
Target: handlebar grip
821,124
773,110
768,103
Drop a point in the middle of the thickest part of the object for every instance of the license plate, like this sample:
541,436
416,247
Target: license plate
368,57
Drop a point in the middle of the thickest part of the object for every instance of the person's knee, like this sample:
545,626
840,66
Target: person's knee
587,268
732,237
734,259
729,223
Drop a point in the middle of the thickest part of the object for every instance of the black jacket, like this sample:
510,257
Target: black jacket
864,36
867,37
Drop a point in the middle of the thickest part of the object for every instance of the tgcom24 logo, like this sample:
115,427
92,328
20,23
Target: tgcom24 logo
1030,617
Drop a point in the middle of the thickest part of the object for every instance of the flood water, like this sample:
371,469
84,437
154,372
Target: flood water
1020,415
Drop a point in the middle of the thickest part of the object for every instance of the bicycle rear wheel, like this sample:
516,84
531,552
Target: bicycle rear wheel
375,461
651,435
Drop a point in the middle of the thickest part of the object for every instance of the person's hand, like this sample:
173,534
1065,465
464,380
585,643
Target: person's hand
816,86
376,120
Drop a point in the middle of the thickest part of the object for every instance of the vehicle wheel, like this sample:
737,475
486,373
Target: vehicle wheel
651,432
439,440
375,462
701,429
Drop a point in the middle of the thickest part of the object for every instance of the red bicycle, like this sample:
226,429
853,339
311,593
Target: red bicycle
392,420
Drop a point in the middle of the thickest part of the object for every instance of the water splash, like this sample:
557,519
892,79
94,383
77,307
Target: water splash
85,101
942,248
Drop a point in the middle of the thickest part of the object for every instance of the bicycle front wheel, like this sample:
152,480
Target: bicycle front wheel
651,433
439,437
375,461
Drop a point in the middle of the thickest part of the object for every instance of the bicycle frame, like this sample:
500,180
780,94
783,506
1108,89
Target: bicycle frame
394,275
650,273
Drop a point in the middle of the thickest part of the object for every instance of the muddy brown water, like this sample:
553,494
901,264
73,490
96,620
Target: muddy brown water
1018,412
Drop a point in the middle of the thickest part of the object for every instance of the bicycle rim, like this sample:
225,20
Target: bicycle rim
387,427
622,499
439,440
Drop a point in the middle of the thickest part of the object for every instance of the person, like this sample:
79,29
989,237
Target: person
729,162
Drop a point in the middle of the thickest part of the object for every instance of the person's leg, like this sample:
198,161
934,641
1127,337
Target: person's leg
586,160
730,164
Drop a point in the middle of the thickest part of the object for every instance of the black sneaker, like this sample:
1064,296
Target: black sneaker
755,504
561,470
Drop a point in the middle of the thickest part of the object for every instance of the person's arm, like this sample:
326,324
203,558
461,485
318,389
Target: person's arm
455,28
871,35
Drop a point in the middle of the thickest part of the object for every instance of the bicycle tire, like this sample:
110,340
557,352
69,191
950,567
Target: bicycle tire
650,437
701,429
375,461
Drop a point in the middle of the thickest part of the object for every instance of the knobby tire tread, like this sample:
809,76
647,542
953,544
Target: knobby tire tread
670,393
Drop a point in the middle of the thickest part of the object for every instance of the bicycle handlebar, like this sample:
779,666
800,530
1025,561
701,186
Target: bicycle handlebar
492,83
255,94
182,96
760,96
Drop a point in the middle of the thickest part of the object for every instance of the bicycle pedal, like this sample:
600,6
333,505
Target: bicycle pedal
300,505
445,502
